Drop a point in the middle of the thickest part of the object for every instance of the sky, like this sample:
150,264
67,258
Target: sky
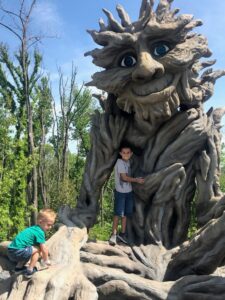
68,21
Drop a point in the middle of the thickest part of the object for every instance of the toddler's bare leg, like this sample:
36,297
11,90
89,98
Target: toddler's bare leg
34,258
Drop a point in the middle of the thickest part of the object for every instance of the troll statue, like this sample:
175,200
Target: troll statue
150,70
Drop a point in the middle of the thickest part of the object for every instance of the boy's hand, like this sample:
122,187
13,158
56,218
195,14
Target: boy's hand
46,263
140,180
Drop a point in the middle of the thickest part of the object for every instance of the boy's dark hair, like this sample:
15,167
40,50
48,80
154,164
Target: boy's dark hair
125,145
136,150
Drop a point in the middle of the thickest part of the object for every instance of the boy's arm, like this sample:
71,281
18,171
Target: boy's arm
44,253
127,178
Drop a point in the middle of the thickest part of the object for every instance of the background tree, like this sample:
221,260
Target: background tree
14,168
71,122
48,173
43,120
24,74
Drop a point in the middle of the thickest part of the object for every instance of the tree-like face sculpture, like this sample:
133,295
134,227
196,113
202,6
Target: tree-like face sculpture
151,70
151,65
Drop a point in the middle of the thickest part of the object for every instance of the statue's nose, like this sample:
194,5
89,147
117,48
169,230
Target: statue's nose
147,67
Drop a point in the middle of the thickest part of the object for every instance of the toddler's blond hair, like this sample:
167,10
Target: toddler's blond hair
46,213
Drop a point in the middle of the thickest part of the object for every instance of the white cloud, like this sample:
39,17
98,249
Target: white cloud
47,19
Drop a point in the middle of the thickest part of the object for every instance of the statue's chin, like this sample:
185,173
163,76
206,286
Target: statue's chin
154,108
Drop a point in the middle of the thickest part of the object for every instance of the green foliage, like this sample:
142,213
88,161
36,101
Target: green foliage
42,110
15,90
82,118
13,184
222,165
27,121
100,232
222,177
193,227
222,158
222,181
103,229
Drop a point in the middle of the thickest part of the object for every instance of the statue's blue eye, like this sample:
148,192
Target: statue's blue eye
128,61
160,49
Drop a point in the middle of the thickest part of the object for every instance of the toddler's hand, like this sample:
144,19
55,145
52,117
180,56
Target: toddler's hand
48,262
45,263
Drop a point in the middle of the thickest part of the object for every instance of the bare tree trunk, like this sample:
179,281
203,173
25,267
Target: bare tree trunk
68,98
41,164
56,138
31,147
65,152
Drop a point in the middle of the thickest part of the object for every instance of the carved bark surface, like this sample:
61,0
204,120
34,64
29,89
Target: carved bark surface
152,72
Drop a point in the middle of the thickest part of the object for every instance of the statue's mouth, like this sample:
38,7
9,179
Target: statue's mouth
154,86
151,100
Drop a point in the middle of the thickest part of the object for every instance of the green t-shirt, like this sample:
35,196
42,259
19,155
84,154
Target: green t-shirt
31,236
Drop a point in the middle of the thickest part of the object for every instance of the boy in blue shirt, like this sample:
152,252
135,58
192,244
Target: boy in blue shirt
29,244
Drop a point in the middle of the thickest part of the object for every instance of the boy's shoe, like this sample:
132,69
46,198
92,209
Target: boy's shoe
112,240
28,273
122,237
20,270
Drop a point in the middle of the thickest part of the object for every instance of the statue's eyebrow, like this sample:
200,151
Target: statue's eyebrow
106,38
106,56
113,45
180,27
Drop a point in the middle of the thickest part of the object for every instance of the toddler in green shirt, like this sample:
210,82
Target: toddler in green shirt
29,244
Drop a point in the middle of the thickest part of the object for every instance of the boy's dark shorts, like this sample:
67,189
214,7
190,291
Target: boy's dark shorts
17,255
123,204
